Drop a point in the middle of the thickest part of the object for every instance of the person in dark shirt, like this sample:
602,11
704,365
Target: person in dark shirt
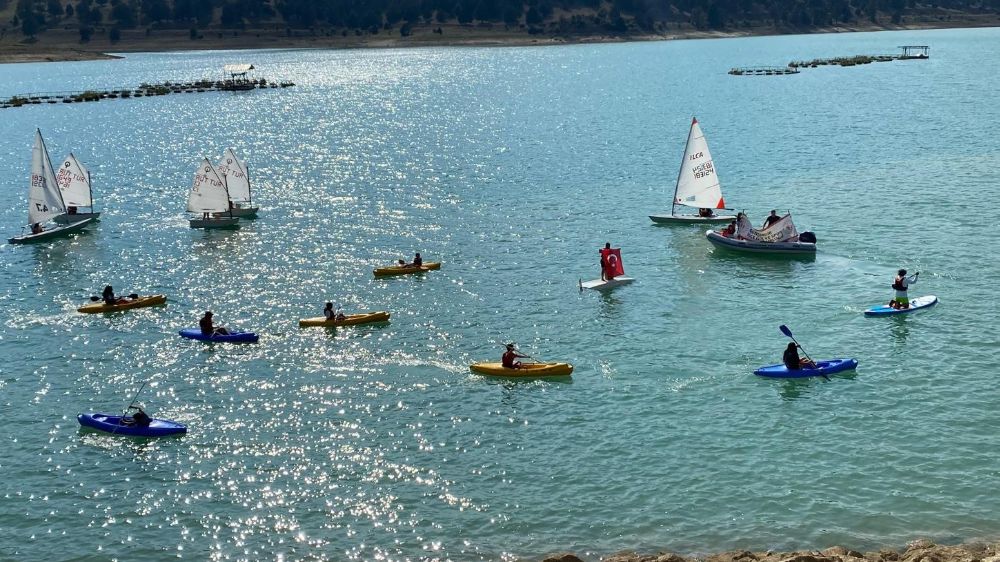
508,360
792,361
140,418
771,219
417,260
705,212
208,328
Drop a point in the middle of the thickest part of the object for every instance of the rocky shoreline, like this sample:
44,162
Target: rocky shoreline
917,551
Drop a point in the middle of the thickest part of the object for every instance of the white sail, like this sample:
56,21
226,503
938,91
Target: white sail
237,176
74,182
44,200
697,182
208,192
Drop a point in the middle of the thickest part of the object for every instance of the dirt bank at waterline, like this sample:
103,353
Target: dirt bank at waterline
917,551
64,44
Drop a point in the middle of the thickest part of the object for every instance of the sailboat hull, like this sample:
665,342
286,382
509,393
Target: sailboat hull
240,212
51,233
772,248
66,218
219,223
690,219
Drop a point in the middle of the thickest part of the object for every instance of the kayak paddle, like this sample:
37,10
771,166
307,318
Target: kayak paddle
784,330
96,298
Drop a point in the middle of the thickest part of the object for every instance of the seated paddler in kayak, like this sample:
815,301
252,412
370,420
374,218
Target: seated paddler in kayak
792,361
901,283
208,328
139,418
417,261
108,296
335,315
509,356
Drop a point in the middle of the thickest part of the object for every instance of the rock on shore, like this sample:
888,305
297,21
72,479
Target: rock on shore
917,551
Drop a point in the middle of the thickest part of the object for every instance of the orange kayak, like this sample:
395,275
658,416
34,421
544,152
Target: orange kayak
526,370
349,320
403,270
97,307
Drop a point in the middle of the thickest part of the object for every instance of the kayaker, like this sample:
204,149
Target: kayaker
706,213
791,359
140,418
328,311
417,261
508,359
208,328
108,296
771,219
901,283
340,316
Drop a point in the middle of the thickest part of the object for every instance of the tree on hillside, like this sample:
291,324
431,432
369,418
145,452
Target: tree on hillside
124,14
154,10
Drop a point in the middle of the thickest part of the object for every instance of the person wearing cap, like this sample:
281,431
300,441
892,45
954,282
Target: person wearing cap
771,219
208,329
901,283
509,356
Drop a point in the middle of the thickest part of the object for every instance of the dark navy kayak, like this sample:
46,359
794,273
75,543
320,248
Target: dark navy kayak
822,368
112,423
237,337
916,304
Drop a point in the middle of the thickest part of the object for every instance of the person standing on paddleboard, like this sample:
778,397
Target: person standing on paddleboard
604,261
901,283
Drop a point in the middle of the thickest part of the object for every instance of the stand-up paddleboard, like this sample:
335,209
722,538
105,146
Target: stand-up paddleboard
918,303
602,285
697,184
822,369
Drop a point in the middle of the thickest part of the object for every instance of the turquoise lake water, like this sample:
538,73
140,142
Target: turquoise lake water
511,166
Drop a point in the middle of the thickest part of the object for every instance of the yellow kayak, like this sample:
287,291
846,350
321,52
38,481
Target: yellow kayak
97,307
349,320
526,370
403,270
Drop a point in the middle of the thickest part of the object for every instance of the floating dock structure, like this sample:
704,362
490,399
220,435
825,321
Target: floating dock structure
237,80
907,52
763,70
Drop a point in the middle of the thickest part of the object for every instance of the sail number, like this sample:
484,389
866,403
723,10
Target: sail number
704,170
42,208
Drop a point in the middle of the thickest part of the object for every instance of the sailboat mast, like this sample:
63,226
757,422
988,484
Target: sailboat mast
90,189
249,189
680,170
229,202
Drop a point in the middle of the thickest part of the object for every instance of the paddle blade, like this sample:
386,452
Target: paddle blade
95,299
784,330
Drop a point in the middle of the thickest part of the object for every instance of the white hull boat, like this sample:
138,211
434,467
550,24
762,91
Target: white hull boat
240,212
75,217
690,219
237,178
758,247
54,232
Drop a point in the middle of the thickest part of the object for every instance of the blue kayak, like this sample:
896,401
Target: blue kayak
112,423
822,368
916,304
237,337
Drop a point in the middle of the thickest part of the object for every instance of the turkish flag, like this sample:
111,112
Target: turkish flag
613,257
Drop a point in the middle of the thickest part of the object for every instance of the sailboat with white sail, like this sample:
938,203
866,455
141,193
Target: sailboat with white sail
697,184
44,199
77,193
237,177
210,197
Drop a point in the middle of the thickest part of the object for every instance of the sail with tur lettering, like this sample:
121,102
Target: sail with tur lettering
237,176
208,191
74,183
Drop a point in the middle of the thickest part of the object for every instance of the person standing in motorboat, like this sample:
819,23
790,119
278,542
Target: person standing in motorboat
901,284
771,219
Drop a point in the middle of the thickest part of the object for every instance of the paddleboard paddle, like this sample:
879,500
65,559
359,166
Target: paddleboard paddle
784,330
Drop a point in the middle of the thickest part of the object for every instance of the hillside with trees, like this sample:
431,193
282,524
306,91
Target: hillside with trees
33,19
